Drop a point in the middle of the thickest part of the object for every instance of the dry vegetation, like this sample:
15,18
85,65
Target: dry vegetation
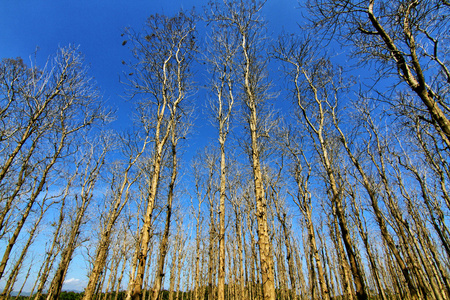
336,187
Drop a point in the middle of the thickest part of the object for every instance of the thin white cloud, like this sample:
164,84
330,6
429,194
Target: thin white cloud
72,281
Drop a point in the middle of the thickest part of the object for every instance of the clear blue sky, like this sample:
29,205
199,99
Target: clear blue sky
96,26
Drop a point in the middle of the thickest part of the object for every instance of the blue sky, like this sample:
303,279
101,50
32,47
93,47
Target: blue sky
96,26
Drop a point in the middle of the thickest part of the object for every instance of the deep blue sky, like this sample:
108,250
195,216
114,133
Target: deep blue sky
96,26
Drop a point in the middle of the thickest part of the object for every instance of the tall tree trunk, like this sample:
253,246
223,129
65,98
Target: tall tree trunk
165,238
221,283
371,191
197,257
91,163
145,234
67,253
242,293
122,272
176,257
17,266
367,245
133,265
165,83
52,253
38,187
105,236
341,258
266,259
337,202
326,260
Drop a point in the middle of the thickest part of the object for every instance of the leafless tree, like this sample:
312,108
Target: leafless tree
301,170
221,58
121,182
88,168
179,126
159,82
245,23
316,94
404,38
45,110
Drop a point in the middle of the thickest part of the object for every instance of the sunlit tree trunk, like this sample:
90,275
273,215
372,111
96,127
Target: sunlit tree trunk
198,216
163,247
124,265
167,52
365,237
221,57
18,264
46,102
378,159
133,264
120,199
315,96
54,249
341,258
302,174
176,258
92,163
25,213
242,18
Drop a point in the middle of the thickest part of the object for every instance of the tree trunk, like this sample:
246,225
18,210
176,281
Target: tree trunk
415,78
67,253
221,283
165,238
51,253
105,237
266,259
39,185
17,266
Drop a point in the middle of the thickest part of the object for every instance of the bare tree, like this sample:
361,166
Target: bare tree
54,248
121,182
221,57
177,256
404,39
52,105
19,262
301,169
203,180
88,168
243,19
276,192
316,93
179,127
236,199
163,54
211,187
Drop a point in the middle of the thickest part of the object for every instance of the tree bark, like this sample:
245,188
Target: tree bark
163,247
